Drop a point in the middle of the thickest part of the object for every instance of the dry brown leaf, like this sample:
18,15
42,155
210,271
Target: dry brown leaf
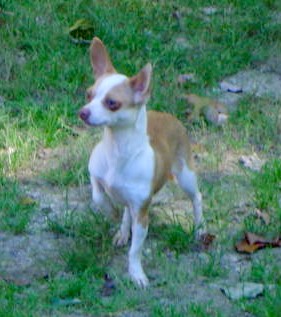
206,240
81,32
244,247
253,242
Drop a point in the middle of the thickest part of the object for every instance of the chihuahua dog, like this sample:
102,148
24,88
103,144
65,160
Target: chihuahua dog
138,153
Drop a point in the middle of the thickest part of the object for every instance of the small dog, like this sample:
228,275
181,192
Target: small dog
138,153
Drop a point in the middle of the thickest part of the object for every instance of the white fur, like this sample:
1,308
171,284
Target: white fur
187,180
135,268
122,166
99,114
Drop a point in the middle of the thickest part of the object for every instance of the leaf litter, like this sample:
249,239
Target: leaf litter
253,242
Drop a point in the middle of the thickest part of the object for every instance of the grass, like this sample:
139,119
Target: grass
192,310
50,72
71,166
256,121
270,306
91,249
176,238
44,76
210,266
15,207
266,185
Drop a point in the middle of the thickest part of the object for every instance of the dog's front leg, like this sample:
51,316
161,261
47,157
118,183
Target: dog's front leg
122,236
100,199
139,233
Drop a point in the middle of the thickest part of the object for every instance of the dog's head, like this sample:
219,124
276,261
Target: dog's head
114,99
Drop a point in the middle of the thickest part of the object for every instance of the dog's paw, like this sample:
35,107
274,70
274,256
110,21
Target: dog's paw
120,239
139,278
200,232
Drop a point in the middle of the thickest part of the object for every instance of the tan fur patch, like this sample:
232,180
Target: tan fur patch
170,143
143,218
122,94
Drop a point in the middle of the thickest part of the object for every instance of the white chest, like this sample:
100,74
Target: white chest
126,179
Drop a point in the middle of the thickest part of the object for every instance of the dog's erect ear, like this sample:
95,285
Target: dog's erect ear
100,60
141,84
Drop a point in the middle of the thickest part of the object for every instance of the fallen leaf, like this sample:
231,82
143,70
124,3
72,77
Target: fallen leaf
253,242
81,32
207,240
243,290
245,247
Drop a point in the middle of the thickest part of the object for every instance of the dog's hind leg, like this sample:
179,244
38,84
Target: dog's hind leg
187,180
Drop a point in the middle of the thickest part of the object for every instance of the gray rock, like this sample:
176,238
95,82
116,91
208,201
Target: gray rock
243,290
257,82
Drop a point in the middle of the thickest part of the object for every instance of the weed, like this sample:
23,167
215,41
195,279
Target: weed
256,121
209,265
15,207
44,115
192,310
202,311
173,237
269,305
91,247
267,185
72,164
17,301
265,269
169,311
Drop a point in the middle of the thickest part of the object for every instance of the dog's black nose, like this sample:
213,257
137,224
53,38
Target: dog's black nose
84,114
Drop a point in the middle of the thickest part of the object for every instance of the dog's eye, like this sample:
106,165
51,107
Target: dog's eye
112,105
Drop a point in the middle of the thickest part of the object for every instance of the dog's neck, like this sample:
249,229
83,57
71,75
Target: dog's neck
126,140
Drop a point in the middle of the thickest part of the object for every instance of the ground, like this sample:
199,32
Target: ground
57,257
